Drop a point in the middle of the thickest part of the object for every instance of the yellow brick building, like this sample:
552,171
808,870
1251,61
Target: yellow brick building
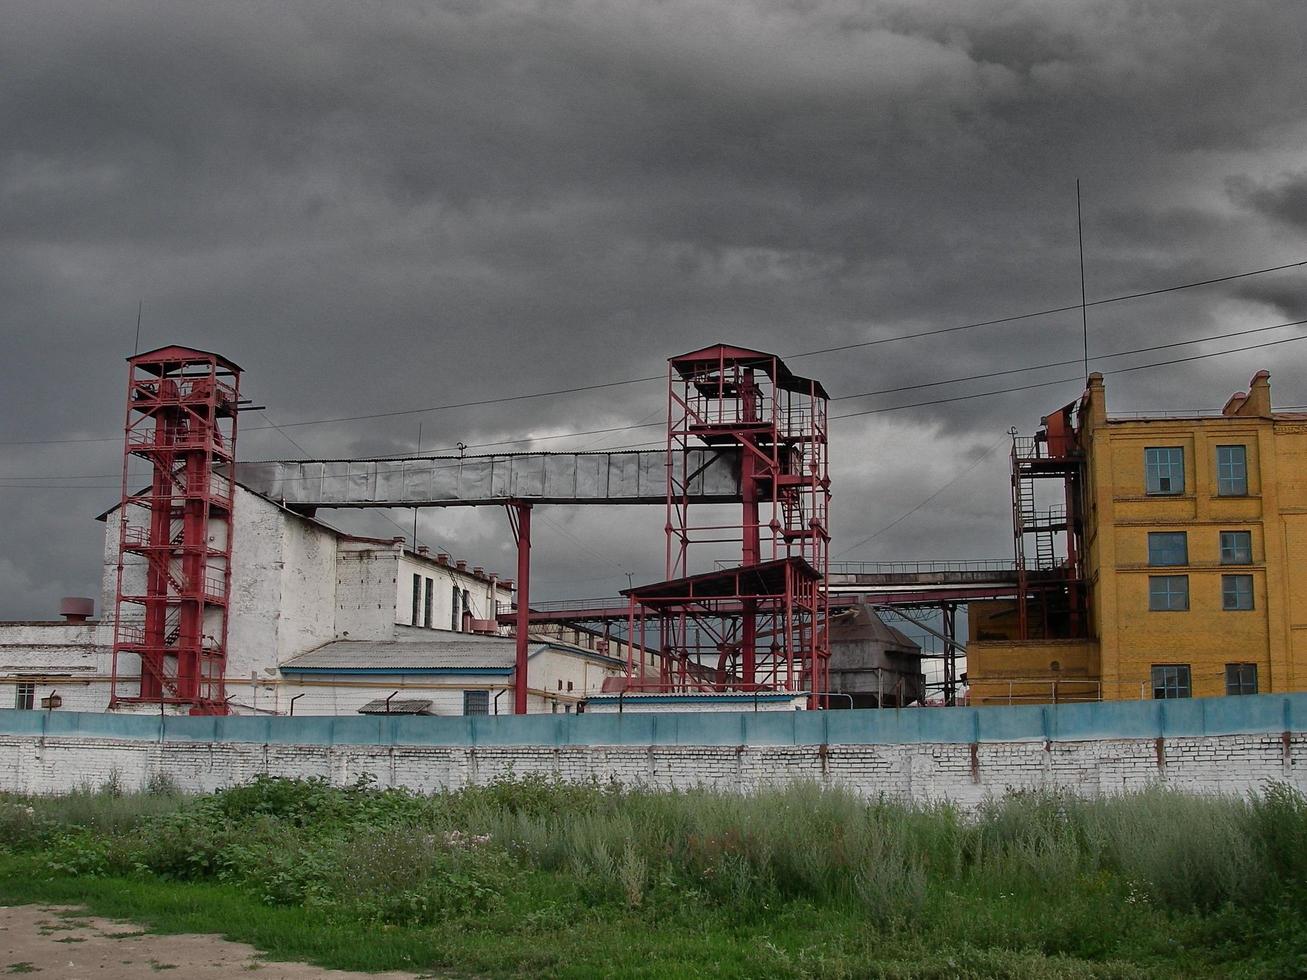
1190,538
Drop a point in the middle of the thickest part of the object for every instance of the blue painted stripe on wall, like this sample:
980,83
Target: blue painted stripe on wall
1257,714
398,671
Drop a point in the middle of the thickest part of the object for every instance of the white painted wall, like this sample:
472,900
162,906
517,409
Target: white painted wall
68,659
344,695
296,584
305,616
570,677
1225,764
483,596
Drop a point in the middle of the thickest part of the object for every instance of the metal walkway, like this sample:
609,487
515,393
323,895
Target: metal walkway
631,477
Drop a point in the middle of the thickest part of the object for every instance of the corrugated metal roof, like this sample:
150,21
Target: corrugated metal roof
413,650
412,706
861,623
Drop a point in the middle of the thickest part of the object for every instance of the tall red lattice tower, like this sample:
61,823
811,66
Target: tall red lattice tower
175,536
761,624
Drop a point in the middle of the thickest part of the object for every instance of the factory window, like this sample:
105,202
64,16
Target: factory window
1164,469
25,697
1236,547
417,600
467,604
476,702
427,597
455,620
1236,592
1240,678
1231,471
1171,681
1168,548
1168,593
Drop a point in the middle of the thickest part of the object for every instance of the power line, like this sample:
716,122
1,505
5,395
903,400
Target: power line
1053,364
1057,309
629,381
828,350
380,511
874,411
903,517
469,404
1062,381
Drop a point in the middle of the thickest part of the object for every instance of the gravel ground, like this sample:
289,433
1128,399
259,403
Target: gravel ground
54,943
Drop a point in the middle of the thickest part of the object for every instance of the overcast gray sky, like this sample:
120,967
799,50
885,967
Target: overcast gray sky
378,206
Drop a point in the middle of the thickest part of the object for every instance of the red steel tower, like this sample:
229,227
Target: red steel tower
761,624
174,564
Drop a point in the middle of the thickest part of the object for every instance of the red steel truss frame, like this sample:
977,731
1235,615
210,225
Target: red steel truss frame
1051,586
761,624
171,621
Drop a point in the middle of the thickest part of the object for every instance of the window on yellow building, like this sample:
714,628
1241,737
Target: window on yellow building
1231,471
1168,548
1171,681
1240,678
1168,593
1164,469
1236,592
1236,547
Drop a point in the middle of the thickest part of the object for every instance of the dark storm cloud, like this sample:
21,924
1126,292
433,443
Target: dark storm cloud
383,206
1283,198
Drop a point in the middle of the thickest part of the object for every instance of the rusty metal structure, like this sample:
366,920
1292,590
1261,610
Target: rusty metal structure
170,628
1051,596
761,624
743,431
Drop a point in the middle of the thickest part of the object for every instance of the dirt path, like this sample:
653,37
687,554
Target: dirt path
54,943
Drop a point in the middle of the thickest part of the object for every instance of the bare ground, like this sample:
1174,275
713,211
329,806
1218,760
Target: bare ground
66,944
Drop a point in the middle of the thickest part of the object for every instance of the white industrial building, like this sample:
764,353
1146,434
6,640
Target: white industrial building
322,622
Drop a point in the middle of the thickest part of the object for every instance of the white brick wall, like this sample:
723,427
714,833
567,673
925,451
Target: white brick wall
964,774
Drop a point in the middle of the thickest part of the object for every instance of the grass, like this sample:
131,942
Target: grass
542,879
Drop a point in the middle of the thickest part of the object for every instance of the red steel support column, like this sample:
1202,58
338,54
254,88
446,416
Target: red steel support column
523,603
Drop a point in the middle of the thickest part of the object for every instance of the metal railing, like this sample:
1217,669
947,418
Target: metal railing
922,567
555,605
1040,689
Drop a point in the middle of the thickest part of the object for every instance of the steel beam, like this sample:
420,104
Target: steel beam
519,515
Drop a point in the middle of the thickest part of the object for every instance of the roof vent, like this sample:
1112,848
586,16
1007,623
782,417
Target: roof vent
423,550
76,608
461,565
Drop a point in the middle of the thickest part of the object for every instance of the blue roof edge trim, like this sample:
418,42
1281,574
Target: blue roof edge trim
397,671
740,699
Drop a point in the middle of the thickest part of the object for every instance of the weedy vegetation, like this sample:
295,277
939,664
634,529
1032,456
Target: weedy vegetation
540,878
